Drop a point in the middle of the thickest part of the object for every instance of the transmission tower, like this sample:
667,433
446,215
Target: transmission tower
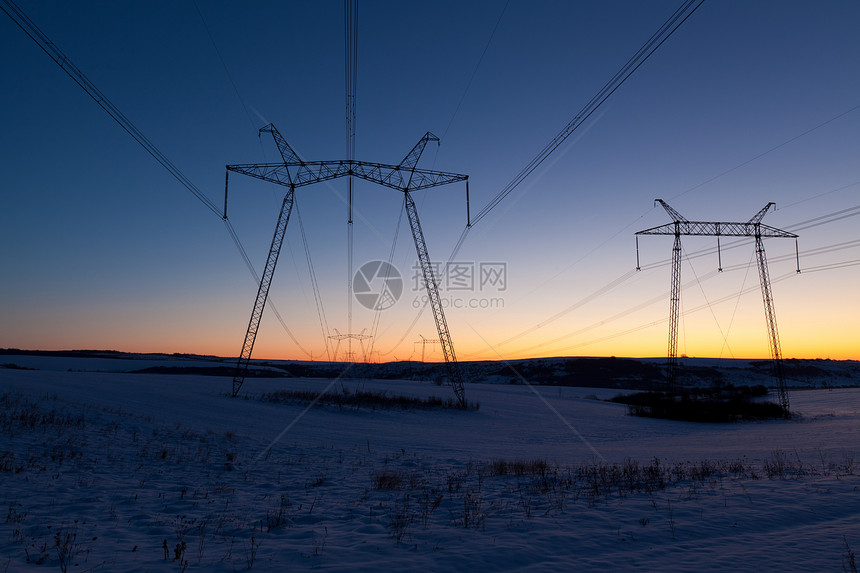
350,355
752,228
405,177
424,342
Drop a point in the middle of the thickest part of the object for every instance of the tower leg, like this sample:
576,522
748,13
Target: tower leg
263,292
349,285
674,304
453,368
770,317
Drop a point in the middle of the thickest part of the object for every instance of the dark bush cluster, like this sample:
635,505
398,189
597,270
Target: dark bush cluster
691,408
364,399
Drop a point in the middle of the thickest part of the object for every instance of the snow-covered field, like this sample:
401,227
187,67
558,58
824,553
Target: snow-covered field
147,472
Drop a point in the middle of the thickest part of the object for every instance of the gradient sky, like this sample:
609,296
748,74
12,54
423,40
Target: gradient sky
101,248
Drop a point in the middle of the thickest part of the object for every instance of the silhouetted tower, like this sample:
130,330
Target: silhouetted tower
350,355
404,177
752,228
424,342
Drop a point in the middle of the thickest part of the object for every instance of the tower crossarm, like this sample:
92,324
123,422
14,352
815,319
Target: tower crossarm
411,160
402,178
288,154
724,229
352,336
297,174
760,215
293,171
676,216
310,172
287,174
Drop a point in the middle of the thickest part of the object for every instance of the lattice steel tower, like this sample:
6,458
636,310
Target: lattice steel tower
293,172
752,228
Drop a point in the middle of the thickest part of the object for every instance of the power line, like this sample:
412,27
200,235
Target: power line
660,298
827,218
657,299
611,285
649,324
224,64
639,58
832,266
656,40
350,56
806,224
578,304
475,71
51,49
233,235
314,285
645,52
374,330
47,46
256,278
772,149
724,335
350,47
735,309
583,115
801,225
78,77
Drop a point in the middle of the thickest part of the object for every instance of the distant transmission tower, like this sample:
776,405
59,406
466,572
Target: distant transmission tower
349,356
752,228
405,177
424,342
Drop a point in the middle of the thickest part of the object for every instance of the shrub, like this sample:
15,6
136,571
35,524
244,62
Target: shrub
364,399
690,409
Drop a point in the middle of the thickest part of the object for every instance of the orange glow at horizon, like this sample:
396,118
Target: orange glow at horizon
809,346
725,332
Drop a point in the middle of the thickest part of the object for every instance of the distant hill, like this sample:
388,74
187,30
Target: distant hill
596,372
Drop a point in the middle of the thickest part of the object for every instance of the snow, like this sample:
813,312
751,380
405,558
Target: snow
95,363
130,461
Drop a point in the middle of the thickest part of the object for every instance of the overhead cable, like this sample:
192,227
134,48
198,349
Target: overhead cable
30,28
665,31
35,34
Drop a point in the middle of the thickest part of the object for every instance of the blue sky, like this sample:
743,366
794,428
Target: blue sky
102,248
